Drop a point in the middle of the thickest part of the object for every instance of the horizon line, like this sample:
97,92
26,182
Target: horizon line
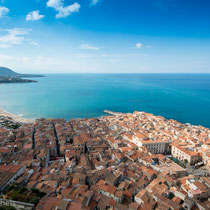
123,73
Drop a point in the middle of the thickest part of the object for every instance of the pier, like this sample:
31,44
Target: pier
112,113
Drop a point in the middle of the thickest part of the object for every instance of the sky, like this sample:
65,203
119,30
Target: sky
105,36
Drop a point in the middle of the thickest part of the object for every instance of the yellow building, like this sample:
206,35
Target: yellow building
184,155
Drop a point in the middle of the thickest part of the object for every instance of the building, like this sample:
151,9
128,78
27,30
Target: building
184,155
197,189
8,175
157,147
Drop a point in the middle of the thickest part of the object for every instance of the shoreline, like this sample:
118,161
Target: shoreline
21,120
15,118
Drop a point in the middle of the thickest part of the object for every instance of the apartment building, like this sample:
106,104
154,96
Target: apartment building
183,154
157,147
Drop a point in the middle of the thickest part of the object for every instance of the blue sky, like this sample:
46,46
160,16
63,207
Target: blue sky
105,36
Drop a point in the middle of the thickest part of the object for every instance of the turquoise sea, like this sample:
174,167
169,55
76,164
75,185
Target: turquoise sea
184,97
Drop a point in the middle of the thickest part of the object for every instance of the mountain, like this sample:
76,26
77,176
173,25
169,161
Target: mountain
6,72
9,76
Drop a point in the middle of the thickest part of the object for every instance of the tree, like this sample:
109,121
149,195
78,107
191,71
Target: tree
185,161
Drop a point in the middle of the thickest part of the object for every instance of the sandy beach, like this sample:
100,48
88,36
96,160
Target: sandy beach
14,117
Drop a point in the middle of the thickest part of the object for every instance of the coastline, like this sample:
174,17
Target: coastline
15,118
8,116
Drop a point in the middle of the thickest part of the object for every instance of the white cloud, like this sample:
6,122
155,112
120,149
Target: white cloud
148,46
139,45
61,9
54,3
3,11
32,42
39,63
14,36
88,47
5,58
34,15
93,2
113,58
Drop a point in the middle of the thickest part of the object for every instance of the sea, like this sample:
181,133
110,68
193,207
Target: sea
183,97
